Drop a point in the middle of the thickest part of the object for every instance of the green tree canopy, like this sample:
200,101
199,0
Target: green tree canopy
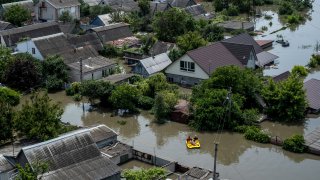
213,33
23,73
9,96
6,121
125,96
39,118
172,23
144,174
65,17
17,14
286,101
300,71
94,89
144,6
5,60
163,105
98,10
55,72
31,173
190,41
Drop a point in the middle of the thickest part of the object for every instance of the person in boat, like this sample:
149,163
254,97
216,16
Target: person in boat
189,139
195,138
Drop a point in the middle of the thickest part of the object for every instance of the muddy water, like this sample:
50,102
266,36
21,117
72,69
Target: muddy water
302,39
237,157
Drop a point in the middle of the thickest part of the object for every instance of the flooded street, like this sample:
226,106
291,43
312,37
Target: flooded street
302,39
237,157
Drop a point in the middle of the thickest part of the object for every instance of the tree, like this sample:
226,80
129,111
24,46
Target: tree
9,96
172,23
163,104
190,41
97,10
211,110
40,118
213,33
5,60
55,72
65,17
175,54
144,174
144,6
6,120
32,172
94,89
300,71
125,96
23,73
17,14
286,101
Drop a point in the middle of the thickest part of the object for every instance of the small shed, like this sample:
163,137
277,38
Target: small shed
6,168
102,20
152,65
281,77
264,44
119,153
181,112
118,78
312,88
103,136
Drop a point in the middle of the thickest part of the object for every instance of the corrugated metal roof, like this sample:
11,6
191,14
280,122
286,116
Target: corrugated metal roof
312,88
101,132
92,2
115,78
5,25
5,164
158,7
28,4
63,3
265,57
105,18
12,36
117,149
196,173
182,3
92,64
90,39
113,32
195,10
123,5
156,63
245,39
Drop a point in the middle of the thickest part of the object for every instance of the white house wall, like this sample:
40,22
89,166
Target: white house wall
198,73
251,62
26,47
48,13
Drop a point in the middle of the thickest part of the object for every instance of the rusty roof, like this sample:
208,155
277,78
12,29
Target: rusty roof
312,88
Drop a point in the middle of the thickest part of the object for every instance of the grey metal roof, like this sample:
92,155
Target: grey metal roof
161,47
116,78
92,2
113,32
156,63
97,168
282,76
73,155
92,64
245,38
123,5
265,57
63,3
240,51
234,25
182,3
5,165
105,18
196,173
12,36
28,4
312,88
195,10
101,132
158,7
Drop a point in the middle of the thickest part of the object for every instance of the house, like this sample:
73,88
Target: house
51,10
198,12
312,88
198,64
7,169
156,7
91,39
112,32
101,20
183,3
152,65
122,5
281,77
27,4
118,78
11,37
237,25
71,156
5,25
92,68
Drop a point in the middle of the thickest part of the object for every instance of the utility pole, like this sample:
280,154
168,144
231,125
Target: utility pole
215,161
81,70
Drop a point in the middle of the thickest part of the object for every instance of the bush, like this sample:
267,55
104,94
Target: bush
73,89
294,18
110,50
295,144
9,96
314,61
233,11
264,28
300,71
238,31
255,134
145,102
77,97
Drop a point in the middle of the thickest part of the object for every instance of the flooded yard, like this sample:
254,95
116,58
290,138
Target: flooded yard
238,158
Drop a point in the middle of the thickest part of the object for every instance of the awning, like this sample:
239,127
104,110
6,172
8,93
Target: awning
265,58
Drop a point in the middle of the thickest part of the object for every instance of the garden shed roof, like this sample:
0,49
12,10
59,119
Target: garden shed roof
92,64
312,88
156,63
113,32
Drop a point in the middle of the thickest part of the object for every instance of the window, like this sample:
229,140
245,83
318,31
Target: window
187,66
33,50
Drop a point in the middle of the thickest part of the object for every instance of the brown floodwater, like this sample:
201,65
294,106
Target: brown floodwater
238,158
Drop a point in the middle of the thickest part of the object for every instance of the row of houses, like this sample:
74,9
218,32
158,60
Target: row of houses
88,153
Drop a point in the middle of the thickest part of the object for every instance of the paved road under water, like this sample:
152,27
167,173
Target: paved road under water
237,157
